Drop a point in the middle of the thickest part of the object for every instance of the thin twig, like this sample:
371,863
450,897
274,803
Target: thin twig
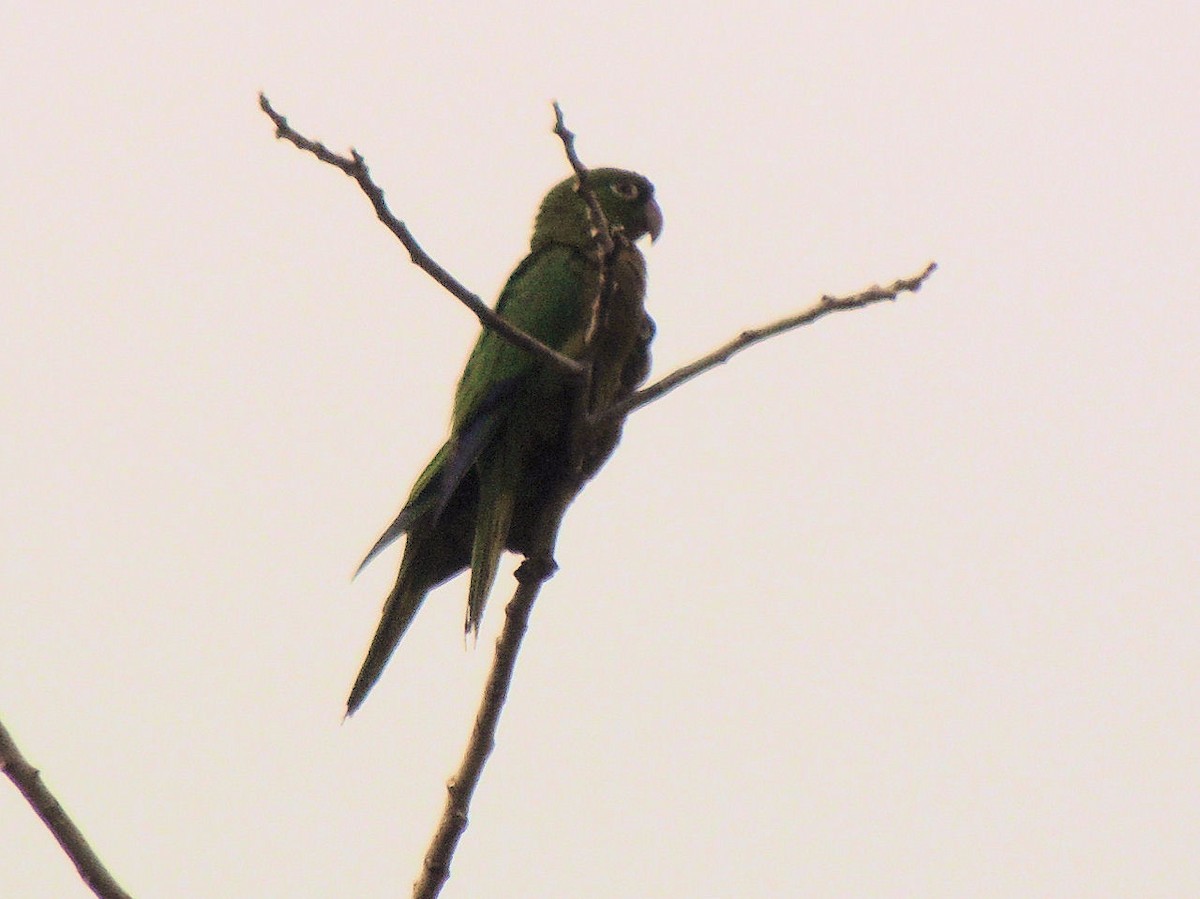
54,816
604,240
722,354
605,245
355,166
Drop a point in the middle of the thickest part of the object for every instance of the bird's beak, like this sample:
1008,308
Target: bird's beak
654,219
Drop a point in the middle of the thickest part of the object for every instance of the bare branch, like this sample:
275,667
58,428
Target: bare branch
54,816
355,166
537,568
722,354
604,241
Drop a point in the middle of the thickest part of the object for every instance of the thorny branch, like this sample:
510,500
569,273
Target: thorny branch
355,166
55,817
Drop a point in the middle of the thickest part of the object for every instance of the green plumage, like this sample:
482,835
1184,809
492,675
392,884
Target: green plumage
484,490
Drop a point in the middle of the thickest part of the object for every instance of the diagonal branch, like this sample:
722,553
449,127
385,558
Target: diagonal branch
54,816
722,354
537,568
355,166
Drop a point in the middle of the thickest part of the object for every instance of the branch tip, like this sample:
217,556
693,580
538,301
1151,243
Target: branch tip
355,166
604,241
826,304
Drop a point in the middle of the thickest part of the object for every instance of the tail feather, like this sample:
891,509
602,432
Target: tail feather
438,521
431,487
497,497
402,523
398,612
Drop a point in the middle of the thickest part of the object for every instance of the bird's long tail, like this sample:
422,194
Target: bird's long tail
398,612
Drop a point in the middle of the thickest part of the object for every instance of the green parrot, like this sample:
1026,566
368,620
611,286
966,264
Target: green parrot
509,437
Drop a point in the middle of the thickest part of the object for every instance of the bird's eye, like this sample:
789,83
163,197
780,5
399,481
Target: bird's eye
626,190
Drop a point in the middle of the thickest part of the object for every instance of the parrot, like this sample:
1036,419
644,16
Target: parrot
509,442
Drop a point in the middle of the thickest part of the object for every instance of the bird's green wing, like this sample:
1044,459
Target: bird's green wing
546,297
504,394
542,297
485,488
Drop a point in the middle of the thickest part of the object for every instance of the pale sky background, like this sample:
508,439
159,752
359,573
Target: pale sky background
900,605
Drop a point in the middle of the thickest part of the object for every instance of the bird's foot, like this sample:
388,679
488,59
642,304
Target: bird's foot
536,570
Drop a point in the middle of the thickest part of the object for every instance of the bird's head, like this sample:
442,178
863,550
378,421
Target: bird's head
626,198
